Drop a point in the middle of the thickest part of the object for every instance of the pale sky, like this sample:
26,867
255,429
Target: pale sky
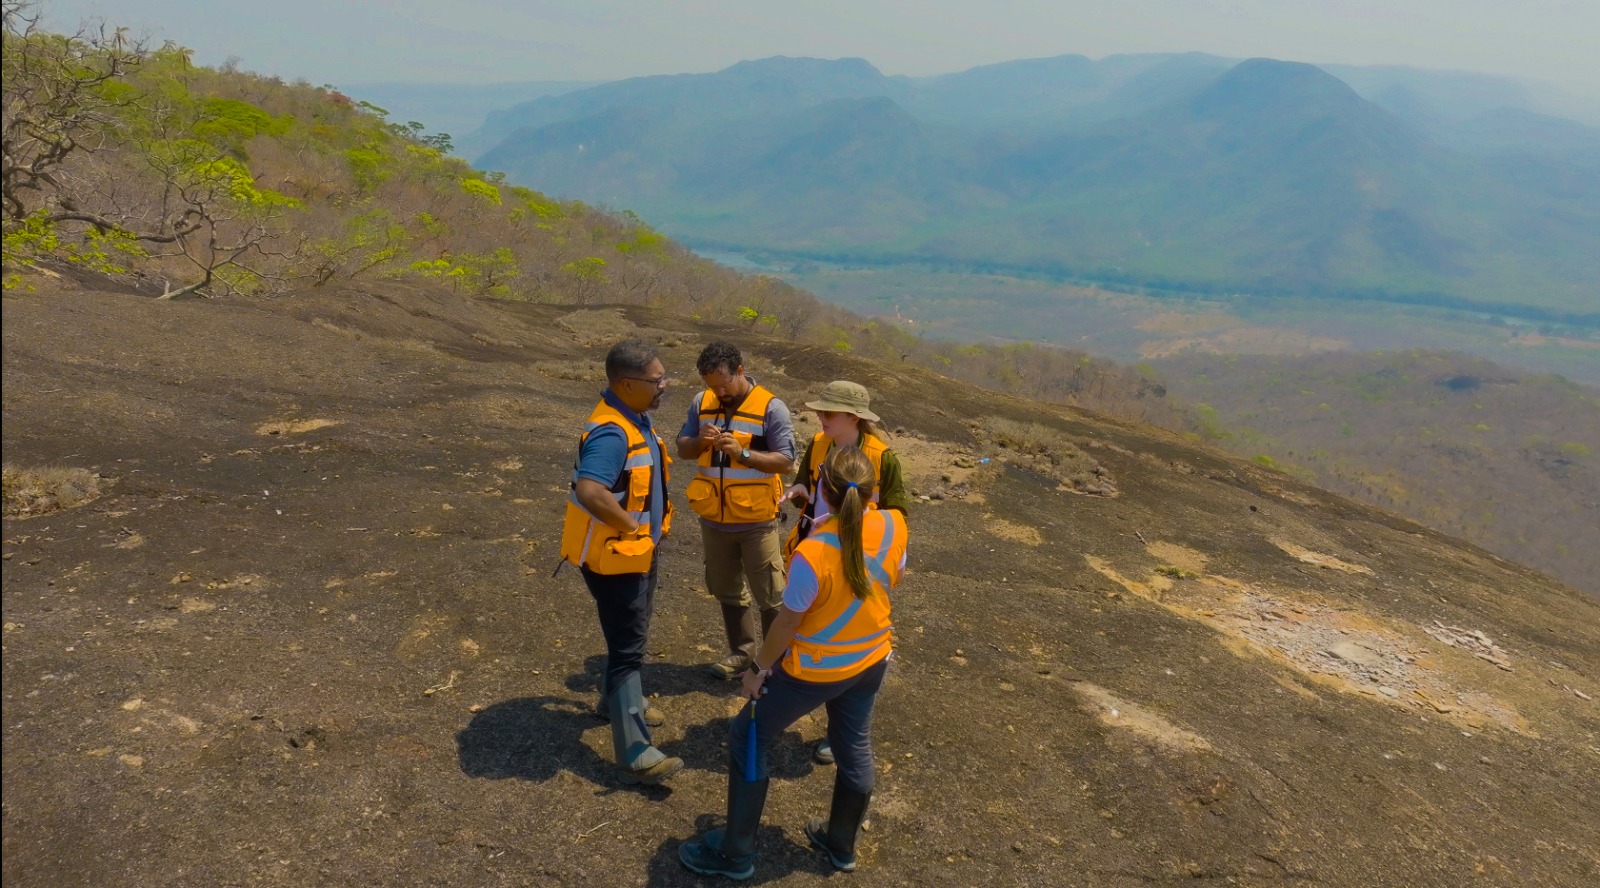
481,41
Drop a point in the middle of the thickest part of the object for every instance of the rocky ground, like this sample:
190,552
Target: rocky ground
307,633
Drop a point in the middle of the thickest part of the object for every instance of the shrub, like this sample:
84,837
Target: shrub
38,491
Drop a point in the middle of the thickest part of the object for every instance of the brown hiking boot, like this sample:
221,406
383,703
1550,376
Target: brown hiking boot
729,667
652,775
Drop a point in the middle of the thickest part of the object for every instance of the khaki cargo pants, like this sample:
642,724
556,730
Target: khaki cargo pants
735,558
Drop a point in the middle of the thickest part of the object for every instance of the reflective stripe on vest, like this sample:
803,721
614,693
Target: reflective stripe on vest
588,542
757,501
821,446
842,634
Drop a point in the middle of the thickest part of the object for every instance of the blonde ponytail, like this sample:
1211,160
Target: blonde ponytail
848,485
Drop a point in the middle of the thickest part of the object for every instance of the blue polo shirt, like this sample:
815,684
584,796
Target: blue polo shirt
605,452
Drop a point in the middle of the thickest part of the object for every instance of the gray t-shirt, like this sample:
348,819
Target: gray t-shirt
780,439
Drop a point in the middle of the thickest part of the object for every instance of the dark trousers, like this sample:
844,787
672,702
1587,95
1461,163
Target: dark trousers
625,603
849,704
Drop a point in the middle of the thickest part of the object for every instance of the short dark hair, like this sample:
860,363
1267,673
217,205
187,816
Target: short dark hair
719,354
629,357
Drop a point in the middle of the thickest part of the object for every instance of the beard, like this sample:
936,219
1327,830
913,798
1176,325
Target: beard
656,401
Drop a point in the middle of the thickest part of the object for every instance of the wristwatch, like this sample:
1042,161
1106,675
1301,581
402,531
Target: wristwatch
744,453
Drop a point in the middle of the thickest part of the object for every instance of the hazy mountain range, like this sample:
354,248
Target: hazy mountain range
1187,172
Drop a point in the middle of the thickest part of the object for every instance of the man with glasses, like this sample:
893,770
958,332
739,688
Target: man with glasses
617,513
742,439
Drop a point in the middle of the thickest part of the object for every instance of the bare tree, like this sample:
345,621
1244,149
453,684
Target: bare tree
57,104
85,145
216,218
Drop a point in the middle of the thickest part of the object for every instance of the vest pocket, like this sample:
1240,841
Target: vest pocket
702,496
750,502
629,556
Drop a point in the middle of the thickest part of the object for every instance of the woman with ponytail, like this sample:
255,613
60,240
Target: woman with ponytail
844,410
829,646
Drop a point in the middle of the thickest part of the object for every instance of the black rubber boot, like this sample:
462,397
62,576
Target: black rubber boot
731,850
837,834
767,616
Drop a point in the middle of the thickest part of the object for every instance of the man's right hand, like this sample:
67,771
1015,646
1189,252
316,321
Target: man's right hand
797,495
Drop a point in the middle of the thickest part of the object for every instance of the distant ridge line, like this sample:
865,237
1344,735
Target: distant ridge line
1158,287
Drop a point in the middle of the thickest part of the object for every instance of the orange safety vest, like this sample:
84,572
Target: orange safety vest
735,493
822,445
589,542
841,635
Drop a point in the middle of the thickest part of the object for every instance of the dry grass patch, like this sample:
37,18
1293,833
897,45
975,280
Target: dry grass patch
1025,534
607,326
1151,589
30,491
1306,556
1048,452
1186,561
592,371
1115,712
294,426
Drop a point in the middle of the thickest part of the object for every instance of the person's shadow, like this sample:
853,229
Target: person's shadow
534,738
704,746
529,738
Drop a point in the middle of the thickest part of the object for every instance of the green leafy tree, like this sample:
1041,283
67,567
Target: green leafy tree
585,277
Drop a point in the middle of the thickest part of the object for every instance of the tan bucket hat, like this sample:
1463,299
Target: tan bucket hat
843,396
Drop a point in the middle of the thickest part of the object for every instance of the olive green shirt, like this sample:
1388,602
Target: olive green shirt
891,481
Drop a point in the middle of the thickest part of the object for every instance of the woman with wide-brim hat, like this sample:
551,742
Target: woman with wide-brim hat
844,410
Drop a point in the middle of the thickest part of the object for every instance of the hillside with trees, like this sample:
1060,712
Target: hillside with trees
180,180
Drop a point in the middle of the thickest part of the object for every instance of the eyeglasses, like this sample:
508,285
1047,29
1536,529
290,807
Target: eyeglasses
659,382
827,414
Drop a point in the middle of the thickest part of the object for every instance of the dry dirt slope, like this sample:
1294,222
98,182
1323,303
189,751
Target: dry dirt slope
309,636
